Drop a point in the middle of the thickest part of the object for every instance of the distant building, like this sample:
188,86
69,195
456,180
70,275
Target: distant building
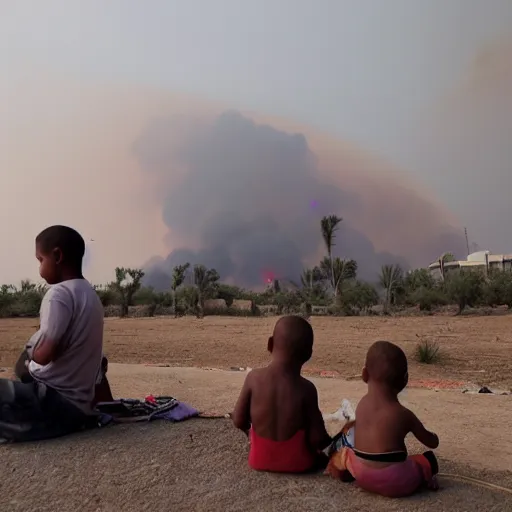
481,259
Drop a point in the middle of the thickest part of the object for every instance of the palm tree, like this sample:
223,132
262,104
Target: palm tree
178,277
341,271
329,225
312,286
205,281
390,279
310,277
446,257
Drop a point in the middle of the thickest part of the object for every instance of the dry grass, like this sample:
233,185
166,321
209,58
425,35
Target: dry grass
475,349
428,351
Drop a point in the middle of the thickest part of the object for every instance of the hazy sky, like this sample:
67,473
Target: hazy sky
363,69
367,71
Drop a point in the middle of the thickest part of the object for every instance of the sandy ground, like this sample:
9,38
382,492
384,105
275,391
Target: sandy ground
475,349
201,464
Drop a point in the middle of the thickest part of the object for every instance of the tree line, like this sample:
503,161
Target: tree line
331,287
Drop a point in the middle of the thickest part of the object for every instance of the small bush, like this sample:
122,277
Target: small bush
428,352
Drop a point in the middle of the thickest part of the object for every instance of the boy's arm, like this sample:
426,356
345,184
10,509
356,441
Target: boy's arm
55,319
242,413
429,439
318,438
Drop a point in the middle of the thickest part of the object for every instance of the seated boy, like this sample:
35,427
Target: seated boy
379,462
278,408
102,391
63,358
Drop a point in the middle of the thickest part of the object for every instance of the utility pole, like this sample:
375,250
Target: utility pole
467,241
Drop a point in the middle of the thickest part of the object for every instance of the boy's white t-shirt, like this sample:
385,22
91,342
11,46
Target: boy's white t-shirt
71,312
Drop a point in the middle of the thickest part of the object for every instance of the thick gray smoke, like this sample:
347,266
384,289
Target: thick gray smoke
247,199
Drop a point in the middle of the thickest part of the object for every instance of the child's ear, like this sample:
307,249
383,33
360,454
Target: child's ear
57,255
270,345
365,375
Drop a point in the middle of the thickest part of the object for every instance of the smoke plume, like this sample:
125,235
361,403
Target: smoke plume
247,199
468,141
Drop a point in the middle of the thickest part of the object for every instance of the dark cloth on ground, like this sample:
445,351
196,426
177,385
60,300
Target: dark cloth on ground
32,411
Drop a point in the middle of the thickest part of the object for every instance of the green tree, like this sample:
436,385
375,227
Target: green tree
312,281
465,288
428,298
127,283
106,294
340,270
178,277
418,278
498,289
205,281
329,225
421,289
359,295
390,279
230,292
310,277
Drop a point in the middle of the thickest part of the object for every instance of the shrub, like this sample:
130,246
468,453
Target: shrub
6,302
21,303
428,352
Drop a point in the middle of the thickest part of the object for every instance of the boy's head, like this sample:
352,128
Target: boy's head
292,340
60,251
386,364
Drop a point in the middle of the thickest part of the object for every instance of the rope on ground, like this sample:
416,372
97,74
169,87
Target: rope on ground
476,481
213,416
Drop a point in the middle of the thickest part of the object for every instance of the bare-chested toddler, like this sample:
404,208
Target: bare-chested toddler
379,461
278,408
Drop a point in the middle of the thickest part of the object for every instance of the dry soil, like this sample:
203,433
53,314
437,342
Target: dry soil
201,464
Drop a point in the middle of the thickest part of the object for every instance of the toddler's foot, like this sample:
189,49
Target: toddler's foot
433,485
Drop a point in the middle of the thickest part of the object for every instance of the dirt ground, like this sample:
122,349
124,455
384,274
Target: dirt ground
201,464
474,349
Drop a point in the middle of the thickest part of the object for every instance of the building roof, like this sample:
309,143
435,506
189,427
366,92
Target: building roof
476,259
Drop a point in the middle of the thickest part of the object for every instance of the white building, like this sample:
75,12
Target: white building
481,259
